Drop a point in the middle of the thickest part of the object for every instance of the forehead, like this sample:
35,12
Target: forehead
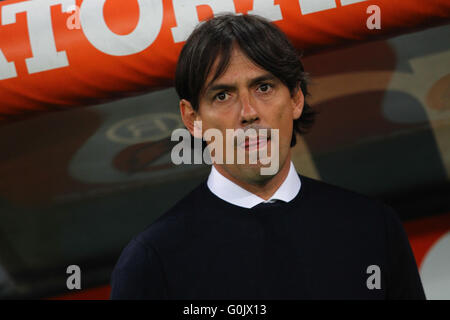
239,67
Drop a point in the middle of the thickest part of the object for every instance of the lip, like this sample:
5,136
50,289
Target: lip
259,143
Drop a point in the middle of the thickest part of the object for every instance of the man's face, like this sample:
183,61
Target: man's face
247,96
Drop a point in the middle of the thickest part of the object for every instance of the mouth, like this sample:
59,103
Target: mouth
255,143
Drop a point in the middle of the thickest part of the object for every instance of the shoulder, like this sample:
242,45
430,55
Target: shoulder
345,214
138,274
319,190
141,261
337,202
175,224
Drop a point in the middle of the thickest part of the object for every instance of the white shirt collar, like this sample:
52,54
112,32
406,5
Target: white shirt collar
234,194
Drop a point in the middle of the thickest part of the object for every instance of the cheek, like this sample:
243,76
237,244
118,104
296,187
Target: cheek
285,123
217,120
286,133
285,120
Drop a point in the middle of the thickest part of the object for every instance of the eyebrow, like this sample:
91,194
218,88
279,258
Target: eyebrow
251,82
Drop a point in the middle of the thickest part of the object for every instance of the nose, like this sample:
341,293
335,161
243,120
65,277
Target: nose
248,112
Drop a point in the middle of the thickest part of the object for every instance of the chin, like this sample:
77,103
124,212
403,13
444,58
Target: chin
252,172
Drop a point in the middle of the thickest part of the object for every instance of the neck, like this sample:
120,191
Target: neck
265,189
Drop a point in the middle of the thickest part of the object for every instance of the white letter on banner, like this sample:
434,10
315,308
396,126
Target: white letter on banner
7,69
187,17
267,9
311,6
100,36
347,2
40,30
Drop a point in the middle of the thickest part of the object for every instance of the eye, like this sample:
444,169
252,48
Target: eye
265,87
221,96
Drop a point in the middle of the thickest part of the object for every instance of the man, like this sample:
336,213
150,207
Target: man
245,235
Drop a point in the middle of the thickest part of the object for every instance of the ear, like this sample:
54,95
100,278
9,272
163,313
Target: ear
189,116
298,101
